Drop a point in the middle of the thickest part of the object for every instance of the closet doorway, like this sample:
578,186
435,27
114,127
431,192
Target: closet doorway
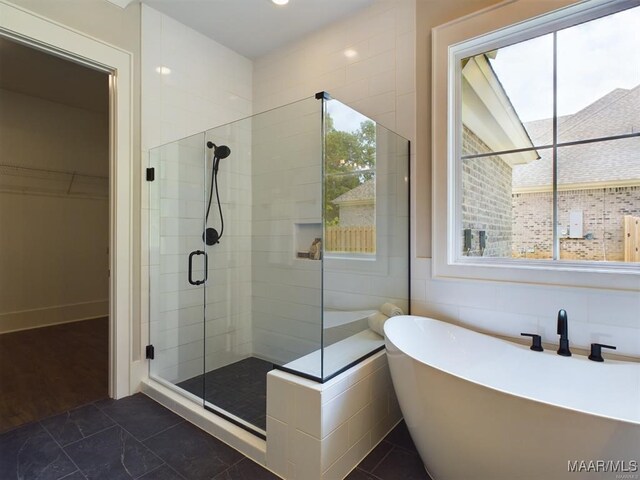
54,234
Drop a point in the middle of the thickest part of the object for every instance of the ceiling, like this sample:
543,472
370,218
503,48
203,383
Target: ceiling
32,72
256,27
250,27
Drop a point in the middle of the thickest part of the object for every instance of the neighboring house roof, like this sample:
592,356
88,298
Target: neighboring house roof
363,193
488,112
615,162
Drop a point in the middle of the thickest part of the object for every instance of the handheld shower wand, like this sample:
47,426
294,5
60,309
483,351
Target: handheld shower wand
211,235
220,152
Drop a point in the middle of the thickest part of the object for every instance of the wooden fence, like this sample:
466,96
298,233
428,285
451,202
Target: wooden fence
631,238
356,239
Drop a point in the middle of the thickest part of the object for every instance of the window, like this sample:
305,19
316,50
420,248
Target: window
542,146
349,181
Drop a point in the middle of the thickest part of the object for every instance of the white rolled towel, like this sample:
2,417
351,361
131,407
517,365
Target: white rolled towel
391,310
376,322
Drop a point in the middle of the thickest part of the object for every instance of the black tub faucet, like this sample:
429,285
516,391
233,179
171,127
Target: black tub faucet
563,331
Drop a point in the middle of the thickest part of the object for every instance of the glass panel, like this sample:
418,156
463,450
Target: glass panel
235,380
349,181
286,252
175,232
365,233
598,188
599,78
507,97
263,295
506,211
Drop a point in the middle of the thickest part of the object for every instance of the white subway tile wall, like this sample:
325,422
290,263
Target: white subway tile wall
287,197
324,430
185,92
284,291
190,83
366,61
228,333
611,317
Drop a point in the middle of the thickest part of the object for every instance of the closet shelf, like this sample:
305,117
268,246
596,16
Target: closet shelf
40,181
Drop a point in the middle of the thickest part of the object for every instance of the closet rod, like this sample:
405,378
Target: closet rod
62,172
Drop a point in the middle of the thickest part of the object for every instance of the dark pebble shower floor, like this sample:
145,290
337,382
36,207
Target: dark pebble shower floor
239,388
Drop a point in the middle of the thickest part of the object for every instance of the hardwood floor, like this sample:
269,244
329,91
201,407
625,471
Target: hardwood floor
50,370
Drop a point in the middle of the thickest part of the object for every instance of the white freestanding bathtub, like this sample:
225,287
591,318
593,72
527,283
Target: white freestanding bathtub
482,408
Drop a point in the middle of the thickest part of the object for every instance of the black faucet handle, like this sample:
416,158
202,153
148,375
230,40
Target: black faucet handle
596,351
536,343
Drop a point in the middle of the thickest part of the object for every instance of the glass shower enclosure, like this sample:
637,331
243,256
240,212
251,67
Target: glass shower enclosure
275,241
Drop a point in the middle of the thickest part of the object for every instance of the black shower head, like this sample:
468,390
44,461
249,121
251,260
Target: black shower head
219,152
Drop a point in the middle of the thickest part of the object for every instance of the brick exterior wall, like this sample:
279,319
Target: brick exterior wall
603,215
486,198
532,225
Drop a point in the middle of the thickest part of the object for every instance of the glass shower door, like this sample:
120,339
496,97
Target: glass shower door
178,262
235,380
263,298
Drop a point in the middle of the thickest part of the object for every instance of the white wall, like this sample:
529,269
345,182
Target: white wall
287,197
208,85
379,82
54,237
395,37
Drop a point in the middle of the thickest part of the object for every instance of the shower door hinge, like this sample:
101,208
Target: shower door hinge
150,352
151,174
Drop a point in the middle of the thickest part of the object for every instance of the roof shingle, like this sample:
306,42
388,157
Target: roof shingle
616,113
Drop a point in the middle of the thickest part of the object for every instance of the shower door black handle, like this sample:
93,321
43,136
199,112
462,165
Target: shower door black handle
206,267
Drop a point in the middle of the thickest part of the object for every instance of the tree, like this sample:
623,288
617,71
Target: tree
349,161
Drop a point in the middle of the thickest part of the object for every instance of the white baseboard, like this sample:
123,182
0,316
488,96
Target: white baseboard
44,317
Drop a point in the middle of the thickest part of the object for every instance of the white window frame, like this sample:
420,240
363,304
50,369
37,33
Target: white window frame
503,24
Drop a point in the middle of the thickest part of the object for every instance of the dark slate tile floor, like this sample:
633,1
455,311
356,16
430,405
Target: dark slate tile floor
132,438
395,458
239,388
136,438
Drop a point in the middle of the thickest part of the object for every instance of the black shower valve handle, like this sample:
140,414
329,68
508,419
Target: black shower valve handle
536,341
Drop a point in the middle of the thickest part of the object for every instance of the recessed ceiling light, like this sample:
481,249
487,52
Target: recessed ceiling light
163,70
280,2
350,53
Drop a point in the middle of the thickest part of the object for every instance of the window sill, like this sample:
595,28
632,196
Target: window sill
368,257
609,276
